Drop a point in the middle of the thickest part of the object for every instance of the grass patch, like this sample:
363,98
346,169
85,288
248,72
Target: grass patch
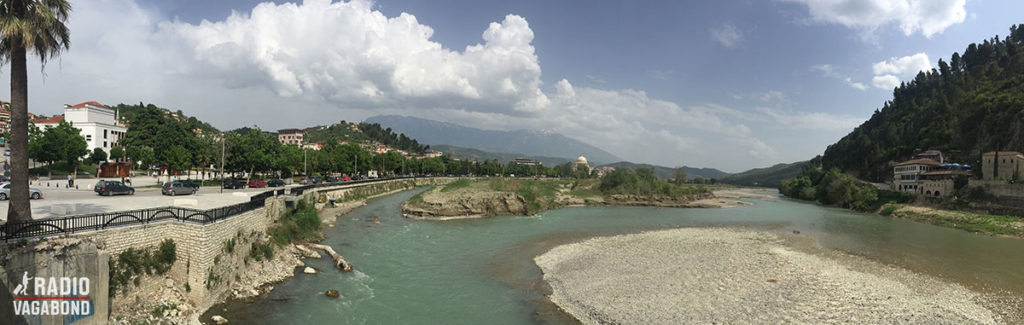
973,222
301,224
461,183
132,263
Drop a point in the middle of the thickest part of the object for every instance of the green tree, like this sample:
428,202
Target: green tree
254,152
143,155
98,156
679,177
177,159
288,160
37,26
66,144
117,153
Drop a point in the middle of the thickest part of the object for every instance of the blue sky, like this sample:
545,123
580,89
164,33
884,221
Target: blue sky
726,84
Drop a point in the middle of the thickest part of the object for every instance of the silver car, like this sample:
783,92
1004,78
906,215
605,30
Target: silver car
5,192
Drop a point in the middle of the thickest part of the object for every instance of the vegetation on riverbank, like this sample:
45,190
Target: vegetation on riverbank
132,263
973,222
527,196
835,188
301,224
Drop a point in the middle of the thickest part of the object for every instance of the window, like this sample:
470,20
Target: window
104,144
104,134
88,137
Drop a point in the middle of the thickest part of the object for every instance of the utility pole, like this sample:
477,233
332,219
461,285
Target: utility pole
305,170
222,140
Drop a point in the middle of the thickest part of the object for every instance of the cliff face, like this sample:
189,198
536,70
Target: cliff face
466,204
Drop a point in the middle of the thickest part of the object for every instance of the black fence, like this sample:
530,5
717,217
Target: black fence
298,190
100,221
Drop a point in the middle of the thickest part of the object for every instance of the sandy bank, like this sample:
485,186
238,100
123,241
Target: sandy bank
704,276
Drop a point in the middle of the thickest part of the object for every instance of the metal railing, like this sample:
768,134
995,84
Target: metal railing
116,219
107,220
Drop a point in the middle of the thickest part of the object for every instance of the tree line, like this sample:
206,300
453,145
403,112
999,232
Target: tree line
972,104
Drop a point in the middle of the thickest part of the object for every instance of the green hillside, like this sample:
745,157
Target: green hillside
767,177
971,104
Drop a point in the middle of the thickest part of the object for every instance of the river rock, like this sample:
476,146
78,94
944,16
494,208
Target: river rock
309,270
219,320
332,293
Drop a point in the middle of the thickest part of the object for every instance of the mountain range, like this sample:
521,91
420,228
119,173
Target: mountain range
522,142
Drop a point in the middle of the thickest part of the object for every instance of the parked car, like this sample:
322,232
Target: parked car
177,188
109,188
346,178
5,192
275,183
234,183
331,179
257,183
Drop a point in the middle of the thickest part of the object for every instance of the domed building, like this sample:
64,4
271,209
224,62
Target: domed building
581,161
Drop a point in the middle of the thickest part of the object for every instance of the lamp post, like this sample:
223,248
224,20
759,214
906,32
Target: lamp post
222,141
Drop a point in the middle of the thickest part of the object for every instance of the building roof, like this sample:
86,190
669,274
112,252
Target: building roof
944,172
48,120
921,161
93,103
288,131
1002,153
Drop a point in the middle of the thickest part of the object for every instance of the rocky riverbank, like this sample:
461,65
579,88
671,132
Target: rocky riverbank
699,275
488,198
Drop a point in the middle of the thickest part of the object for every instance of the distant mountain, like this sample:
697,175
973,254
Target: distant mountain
767,177
503,157
525,142
668,172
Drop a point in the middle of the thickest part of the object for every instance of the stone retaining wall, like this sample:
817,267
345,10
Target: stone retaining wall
199,245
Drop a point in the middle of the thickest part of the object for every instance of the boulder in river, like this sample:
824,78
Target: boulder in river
309,270
332,293
219,320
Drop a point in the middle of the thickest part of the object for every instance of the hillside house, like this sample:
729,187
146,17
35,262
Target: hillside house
1005,165
906,175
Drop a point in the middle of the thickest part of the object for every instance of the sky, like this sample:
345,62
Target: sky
732,85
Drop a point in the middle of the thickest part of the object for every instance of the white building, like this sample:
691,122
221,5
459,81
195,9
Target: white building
96,122
907,174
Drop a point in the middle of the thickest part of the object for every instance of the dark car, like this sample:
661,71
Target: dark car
177,188
257,183
331,179
193,183
234,183
275,183
109,188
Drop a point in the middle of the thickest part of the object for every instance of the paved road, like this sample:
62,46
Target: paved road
63,201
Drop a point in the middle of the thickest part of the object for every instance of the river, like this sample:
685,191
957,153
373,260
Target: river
481,270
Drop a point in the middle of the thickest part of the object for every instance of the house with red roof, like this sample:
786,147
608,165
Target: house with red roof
97,123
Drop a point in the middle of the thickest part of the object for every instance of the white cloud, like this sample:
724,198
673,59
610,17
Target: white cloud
885,82
904,66
855,85
773,95
727,34
928,17
829,71
811,121
350,54
888,73
292,65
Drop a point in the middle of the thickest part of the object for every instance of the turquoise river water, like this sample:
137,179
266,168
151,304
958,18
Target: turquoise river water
481,270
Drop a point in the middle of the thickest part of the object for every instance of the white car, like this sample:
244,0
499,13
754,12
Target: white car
5,192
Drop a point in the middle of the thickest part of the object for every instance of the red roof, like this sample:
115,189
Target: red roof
49,120
93,103
921,161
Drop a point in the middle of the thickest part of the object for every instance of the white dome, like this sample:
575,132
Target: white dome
581,160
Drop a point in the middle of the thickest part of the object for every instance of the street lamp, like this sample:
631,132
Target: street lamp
222,141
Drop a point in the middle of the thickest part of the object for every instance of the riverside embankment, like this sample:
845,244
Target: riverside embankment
482,270
480,198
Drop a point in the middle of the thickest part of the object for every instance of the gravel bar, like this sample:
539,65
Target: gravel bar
731,276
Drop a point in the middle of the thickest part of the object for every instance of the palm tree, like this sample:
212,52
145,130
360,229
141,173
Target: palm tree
37,26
